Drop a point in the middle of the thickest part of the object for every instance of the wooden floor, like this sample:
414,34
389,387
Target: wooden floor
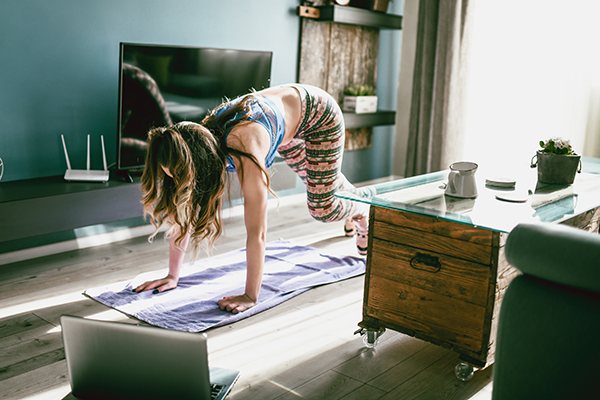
304,348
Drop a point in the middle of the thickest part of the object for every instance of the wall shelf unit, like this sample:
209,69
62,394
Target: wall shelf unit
318,37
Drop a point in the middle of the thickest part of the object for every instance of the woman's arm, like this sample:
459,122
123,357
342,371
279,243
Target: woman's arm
176,256
255,217
255,192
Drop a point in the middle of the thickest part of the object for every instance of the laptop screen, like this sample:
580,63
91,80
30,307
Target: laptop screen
117,360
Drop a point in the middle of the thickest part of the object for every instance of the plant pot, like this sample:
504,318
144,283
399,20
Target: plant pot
360,104
556,169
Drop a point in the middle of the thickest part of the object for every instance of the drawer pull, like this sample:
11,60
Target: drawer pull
432,263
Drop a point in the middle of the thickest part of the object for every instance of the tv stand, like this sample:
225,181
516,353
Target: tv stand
49,205
39,206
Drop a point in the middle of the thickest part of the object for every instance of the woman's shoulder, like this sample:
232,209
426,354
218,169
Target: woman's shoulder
250,137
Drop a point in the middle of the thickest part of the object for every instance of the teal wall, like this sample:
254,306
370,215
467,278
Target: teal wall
59,65
59,70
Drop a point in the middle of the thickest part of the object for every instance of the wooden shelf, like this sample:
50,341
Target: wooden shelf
353,120
351,16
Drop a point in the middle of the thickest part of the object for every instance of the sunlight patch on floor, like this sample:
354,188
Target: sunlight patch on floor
259,330
54,393
484,394
294,347
112,315
336,231
114,236
40,304
56,329
282,321
286,388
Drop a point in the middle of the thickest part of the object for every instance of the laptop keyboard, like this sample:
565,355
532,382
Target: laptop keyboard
215,390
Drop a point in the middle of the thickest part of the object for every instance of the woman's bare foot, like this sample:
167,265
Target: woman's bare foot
362,231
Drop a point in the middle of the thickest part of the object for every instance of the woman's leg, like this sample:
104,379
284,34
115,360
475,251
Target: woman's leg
316,155
294,154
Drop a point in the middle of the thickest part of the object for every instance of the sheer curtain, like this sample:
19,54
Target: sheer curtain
533,74
492,78
436,123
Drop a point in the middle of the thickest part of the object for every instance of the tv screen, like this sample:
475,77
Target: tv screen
161,85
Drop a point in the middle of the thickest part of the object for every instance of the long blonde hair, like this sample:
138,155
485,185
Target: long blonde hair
195,155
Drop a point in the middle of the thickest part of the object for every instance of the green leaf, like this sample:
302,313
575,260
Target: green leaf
359,90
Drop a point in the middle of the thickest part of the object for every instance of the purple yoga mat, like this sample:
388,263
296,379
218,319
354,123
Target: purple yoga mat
289,270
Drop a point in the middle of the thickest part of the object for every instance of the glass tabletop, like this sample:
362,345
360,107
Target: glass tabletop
495,208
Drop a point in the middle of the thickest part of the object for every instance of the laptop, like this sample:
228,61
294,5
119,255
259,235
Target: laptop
113,360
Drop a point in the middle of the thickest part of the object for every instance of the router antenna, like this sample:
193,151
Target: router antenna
86,175
103,151
88,153
66,154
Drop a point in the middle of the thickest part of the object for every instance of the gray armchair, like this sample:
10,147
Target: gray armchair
548,344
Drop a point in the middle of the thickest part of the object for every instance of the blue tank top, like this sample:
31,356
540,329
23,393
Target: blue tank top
264,112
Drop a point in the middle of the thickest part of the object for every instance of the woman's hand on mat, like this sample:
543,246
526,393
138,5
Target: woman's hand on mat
159,285
236,304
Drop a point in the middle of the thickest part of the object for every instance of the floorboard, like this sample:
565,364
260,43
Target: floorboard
303,348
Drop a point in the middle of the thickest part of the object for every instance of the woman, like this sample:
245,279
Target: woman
187,166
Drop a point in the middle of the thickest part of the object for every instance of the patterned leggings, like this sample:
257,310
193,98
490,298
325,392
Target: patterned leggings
315,154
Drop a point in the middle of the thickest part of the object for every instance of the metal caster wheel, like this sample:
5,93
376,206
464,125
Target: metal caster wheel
464,372
370,338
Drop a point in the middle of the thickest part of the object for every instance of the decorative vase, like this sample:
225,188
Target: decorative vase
556,169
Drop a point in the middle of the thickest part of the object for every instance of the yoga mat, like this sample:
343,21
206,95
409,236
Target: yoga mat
289,270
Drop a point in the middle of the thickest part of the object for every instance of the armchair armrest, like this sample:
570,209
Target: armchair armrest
556,253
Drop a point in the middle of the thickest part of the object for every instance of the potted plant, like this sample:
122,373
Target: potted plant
360,99
556,161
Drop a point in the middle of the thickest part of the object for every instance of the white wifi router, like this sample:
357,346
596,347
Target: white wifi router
88,174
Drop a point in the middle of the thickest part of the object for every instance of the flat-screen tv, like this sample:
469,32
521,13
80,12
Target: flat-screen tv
161,85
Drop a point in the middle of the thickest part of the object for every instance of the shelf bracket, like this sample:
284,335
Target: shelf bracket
309,12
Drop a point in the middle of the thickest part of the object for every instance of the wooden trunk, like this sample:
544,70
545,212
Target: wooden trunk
436,280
